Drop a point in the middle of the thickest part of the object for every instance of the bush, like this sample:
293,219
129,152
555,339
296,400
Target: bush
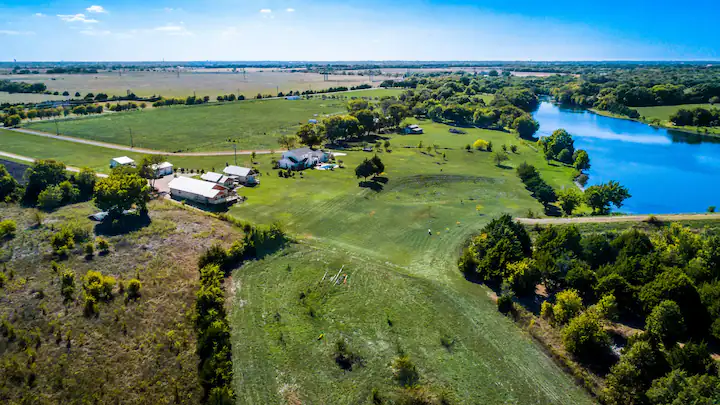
102,245
405,372
133,289
546,311
568,305
67,284
344,357
606,308
585,337
97,286
89,249
505,303
501,242
523,277
50,198
7,228
565,156
63,241
481,144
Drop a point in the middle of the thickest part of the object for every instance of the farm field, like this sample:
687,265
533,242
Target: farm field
254,124
169,84
27,97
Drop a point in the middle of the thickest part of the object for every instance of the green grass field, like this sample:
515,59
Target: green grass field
255,124
396,271
664,112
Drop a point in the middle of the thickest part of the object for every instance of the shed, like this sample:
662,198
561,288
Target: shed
162,169
292,98
186,188
121,161
241,174
413,129
218,178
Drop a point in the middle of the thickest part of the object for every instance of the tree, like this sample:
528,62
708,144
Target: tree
526,126
569,199
600,197
565,156
480,144
585,337
631,377
378,165
310,135
8,184
673,284
357,105
41,175
677,388
665,323
341,127
287,141
146,169
501,242
554,144
365,169
366,119
85,181
397,112
12,120
500,157
581,160
493,73
121,191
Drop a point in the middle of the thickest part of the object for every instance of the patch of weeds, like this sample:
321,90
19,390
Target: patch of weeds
448,342
405,372
346,358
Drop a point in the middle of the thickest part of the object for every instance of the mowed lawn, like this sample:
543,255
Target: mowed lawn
254,124
286,323
664,112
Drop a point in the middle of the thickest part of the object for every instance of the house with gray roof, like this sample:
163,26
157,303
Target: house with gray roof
302,158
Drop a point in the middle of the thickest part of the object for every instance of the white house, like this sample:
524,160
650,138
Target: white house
217,178
241,174
302,158
121,161
162,169
186,188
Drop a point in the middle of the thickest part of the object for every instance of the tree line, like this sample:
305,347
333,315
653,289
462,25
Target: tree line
22,87
668,280
697,117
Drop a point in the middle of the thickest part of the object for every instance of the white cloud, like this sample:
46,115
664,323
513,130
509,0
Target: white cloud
173,29
96,9
290,10
77,18
95,33
266,11
39,15
168,9
13,32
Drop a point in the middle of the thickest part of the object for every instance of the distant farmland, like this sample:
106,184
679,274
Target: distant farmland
253,124
210,83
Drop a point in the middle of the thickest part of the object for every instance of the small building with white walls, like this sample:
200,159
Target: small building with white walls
162,169
121,161
204,192
242,175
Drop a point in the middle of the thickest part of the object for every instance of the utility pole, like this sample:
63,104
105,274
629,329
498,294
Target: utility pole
132,145
235,149
57,129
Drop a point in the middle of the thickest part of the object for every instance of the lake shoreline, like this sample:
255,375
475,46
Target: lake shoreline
659,126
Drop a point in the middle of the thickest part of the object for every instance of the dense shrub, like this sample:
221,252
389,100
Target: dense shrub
501,242
405,372
7,228
542,191
665,323
568,305
585,338
133,289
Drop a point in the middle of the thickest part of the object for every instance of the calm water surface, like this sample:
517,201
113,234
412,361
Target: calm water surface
666,171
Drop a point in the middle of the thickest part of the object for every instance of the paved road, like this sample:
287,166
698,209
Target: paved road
137,150
31,160
619,218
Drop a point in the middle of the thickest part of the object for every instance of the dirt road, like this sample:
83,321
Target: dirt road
619,218
137,150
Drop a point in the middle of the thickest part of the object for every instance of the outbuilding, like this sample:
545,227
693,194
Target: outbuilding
413,129
217,178
205,192
162,169
242,175
121,161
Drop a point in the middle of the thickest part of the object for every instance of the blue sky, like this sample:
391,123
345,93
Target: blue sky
135,30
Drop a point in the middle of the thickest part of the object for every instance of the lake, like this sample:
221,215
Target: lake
666,171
